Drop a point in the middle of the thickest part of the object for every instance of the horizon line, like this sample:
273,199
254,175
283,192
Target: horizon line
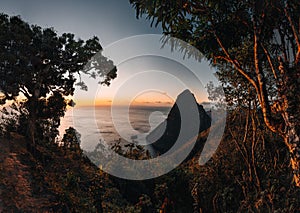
124,105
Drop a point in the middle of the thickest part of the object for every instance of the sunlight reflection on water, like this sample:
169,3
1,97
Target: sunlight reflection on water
143,119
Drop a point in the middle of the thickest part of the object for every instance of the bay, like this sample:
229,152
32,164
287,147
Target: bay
110,124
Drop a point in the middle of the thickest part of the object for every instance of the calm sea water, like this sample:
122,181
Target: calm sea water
111,124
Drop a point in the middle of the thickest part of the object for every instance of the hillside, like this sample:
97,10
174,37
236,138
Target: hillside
56,180
61,180
18,184
248,172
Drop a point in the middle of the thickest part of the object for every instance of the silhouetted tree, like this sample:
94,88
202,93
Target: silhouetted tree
71,140
41,67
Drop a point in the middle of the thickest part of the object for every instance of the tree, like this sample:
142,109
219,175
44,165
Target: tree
41,67
71,140
254,43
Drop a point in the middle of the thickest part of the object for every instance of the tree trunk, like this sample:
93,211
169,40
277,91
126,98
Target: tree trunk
292,141
289,92
32,110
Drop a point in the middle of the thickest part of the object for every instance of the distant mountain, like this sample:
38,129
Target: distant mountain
165,135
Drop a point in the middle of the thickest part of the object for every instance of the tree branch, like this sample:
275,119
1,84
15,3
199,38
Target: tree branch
235,63
270,61
261,89
294,33
25,92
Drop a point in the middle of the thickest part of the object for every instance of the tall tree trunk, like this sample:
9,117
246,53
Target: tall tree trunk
292,133
32,110
289,93
288,89
293,143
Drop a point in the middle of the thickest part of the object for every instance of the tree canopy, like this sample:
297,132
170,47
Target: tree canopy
256,47
42,66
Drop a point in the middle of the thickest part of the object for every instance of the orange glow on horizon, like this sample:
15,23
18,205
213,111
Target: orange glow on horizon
145,99
82,103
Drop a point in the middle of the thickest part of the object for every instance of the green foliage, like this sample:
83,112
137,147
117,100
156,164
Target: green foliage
215,94
42,66
249,172
31,55
253,44
11,119
71,140
131,150
144,205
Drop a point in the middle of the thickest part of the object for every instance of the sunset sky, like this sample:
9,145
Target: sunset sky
142,80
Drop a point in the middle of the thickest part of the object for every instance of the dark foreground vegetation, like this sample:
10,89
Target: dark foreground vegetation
255,47
248,173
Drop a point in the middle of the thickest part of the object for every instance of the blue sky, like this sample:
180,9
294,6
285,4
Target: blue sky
110,21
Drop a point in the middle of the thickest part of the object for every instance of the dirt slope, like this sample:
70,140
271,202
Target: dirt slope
17,184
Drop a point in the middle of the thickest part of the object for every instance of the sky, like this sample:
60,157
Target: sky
145,75
110,20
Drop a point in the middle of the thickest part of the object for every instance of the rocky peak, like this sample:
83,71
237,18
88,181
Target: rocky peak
165,135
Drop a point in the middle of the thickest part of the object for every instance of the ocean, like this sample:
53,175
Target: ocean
108,125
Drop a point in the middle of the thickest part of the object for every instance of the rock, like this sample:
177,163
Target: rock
165,135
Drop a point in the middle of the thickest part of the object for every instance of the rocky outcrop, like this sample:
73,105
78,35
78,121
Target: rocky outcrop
165,135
